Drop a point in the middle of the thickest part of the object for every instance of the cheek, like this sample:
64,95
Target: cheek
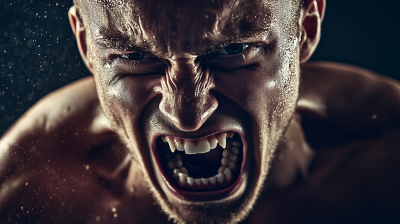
255,90
126,99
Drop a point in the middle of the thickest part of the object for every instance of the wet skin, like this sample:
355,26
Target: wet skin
91,172
189,87
84,152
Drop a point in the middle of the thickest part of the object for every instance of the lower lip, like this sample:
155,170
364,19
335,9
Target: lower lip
209,195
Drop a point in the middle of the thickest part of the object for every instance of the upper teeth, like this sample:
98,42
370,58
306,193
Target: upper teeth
203,145
230,156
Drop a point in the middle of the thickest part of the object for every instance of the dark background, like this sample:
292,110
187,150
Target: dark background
38,53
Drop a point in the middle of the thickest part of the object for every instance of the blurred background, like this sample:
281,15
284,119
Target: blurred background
38,53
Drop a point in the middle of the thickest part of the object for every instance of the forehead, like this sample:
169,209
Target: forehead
184,26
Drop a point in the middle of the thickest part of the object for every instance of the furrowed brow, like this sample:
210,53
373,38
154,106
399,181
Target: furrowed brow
124,44
241,38
120,44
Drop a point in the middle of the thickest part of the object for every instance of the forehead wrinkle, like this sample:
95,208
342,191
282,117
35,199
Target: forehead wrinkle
113,18
226,22
222,26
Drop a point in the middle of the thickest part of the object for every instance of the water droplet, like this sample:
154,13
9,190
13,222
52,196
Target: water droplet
10,64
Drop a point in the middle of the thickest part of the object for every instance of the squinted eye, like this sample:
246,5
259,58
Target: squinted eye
134,56
234,48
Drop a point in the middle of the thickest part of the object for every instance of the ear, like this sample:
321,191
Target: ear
79,31
311,18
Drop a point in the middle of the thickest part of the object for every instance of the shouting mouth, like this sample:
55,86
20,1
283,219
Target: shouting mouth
208,168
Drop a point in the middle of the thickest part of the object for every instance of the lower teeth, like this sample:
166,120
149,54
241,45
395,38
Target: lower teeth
224,174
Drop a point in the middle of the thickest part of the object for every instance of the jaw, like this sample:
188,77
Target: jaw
185,207
184,204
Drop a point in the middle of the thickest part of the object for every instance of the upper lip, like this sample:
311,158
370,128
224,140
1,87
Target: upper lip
193,135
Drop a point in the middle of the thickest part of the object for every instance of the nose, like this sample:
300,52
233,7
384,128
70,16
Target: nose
187,101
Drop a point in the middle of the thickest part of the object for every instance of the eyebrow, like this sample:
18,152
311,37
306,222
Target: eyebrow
237,38
123,44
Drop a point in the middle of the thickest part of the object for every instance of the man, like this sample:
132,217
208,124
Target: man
205,112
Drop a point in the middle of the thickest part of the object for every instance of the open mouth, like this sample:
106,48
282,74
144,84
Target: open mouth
201,169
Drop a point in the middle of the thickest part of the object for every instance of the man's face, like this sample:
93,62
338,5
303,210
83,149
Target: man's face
193,73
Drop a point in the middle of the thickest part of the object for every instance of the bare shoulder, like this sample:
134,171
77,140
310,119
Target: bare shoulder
355,132
62,163
355,182
60,118
350,120
353,99
353,81
60,125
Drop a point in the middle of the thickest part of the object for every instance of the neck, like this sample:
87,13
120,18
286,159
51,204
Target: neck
292,158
